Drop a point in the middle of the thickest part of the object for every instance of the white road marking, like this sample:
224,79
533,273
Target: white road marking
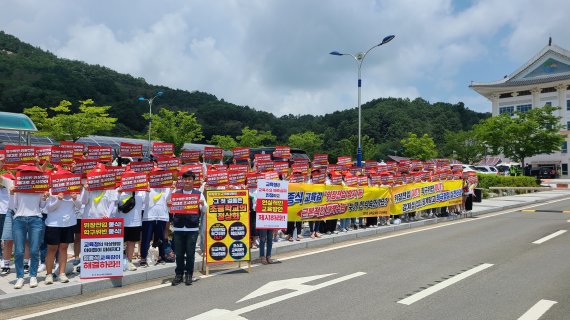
444,284
538,310
486,216
555,234
287,284
234,315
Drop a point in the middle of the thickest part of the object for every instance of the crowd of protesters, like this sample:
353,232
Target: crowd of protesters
38,227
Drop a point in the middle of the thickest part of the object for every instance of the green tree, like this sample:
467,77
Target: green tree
309,141
224,142
463,146
524,134
65,124
253,138
419,147
175,127
347,146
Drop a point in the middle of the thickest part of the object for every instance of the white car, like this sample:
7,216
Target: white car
468,167
487,169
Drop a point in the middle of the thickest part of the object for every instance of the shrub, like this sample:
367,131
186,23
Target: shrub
489,180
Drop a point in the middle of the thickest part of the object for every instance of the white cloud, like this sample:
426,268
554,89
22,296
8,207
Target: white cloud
273,55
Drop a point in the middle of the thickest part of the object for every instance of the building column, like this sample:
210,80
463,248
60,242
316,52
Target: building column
495,104
562,102
535,98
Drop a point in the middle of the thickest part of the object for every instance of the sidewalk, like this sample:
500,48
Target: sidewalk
12,298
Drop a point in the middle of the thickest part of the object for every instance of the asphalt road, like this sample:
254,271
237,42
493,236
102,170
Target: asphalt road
475,268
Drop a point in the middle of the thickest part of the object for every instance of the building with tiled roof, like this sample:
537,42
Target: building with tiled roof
543,80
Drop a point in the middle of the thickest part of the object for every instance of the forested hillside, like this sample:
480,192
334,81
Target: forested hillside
30,76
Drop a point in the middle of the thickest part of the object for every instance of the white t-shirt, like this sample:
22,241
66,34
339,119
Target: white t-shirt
156,205
133,217
99,204
61,213
28,204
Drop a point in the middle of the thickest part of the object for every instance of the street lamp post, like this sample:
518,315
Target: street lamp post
158,94
359,57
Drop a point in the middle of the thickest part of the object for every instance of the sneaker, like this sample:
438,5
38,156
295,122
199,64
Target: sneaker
143,264
19,283
63,278
131,267
5,271
49,279
33,282
188,279
160,262
176,281
76,262
26,268
42,268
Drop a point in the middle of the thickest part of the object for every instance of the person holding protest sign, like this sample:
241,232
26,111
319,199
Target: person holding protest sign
7,235
186,228
132,216
154,222
27,225
60,225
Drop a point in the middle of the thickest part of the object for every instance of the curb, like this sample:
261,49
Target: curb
59,291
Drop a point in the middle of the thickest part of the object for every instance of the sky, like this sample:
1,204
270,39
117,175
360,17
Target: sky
273,55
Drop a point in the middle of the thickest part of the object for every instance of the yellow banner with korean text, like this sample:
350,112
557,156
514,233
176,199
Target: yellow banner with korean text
312,202
227,226
425,195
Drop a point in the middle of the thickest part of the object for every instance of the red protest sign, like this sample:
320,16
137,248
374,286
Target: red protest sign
82,166
264,165
162,149
281,166
321,159
252,178
161,179
142,166
283,152
16,155
218,166
134,181
102,180
362,180
261,157
78,148
184,203
65,183
271,175
190,156
100,153
61,155
239,167
132,150
301,167
213,153
236,178
43,153
168,163
344,161
31,182
240,153
216,178
318,177
117,171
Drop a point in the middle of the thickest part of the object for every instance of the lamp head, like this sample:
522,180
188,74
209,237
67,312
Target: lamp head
336,53
159,93
387,39
141,99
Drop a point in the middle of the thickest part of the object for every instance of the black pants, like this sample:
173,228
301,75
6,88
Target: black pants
153,230
291,227
185,250
331,225
371,221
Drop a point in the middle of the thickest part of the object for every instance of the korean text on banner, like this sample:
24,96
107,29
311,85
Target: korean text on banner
425,195
104,180
185,203
271,204
190,156
101,248
20,154
134,181
161,179
227,226
66,183
321,202
162,149
31,182
133,150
